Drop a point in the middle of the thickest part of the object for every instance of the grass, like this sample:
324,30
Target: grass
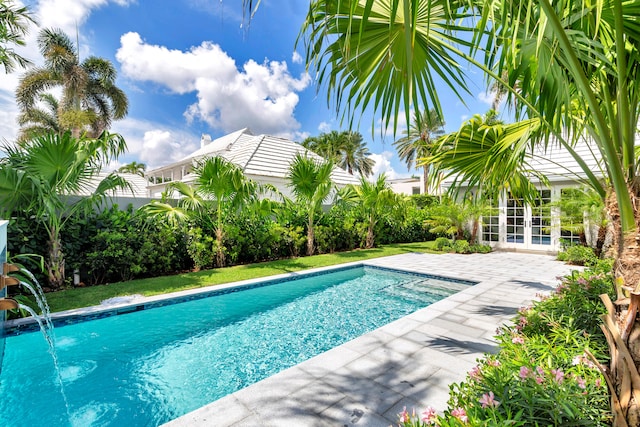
93,295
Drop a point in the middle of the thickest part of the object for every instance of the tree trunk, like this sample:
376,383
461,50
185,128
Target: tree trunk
220,258
55,263
310,237
370,237
621,327
425,177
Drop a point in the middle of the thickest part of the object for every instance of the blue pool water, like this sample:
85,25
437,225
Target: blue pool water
147,367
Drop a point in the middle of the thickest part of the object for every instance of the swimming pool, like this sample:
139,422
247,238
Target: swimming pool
153,365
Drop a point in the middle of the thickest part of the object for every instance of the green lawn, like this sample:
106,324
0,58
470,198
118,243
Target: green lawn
84,297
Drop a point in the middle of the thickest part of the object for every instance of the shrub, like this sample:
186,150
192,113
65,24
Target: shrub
543,374
578,255
461,247
481,249
443,243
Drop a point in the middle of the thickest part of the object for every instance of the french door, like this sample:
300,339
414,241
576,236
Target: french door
529,226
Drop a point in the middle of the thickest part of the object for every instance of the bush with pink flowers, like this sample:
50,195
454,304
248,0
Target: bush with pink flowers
545,373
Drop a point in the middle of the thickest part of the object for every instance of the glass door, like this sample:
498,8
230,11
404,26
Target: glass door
529,226
516,220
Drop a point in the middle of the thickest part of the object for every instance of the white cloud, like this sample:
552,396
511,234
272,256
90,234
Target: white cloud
388,132
69,14
324,127
260,96
487,97
383,165
153,144
296,58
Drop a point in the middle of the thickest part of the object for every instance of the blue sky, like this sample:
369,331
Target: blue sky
189,67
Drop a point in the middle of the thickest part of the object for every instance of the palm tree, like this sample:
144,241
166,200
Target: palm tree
14,21
37,177
418,142
134,168
40,119
376,199
345,149
90,99
221,188
311,185
573,66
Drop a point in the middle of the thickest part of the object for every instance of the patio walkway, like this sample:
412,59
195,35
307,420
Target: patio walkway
408,363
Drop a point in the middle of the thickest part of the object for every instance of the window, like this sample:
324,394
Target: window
491,224
415,190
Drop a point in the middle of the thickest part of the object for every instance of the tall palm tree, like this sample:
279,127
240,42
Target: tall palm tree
345,149
376,199
136,168
418,142
311,185
90,99
40,119
37,177
14,22
572,65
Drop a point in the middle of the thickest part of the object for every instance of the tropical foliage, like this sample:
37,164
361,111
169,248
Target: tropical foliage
345,149
418,143
136,168
37,178
90,99
41,119
220,188
375,200
311,185
14,22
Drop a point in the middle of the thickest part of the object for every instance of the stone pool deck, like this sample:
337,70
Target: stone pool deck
408,363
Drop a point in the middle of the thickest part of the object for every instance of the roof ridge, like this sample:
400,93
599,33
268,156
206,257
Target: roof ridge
254,151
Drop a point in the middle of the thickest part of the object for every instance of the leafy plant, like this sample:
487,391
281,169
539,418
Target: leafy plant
578,255
544,373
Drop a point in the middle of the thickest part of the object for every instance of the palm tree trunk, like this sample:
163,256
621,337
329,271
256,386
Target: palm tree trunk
425,178
310,237
370,236
220,258
55,263
621,327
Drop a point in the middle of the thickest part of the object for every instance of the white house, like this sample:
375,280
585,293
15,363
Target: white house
263,158
518,226
407,186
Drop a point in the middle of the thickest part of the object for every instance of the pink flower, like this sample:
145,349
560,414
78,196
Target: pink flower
540,371
582,281
524,372
517,340
404,416
493,362
559,375
488,400
581,383
539,380
475,373
460,414
429,416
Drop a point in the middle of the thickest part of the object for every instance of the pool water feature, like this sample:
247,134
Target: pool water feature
150,366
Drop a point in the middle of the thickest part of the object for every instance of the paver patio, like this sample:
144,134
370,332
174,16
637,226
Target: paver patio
408,363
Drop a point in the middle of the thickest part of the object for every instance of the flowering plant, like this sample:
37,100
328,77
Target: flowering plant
544,374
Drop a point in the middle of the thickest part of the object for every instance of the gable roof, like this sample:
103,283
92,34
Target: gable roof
258,155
